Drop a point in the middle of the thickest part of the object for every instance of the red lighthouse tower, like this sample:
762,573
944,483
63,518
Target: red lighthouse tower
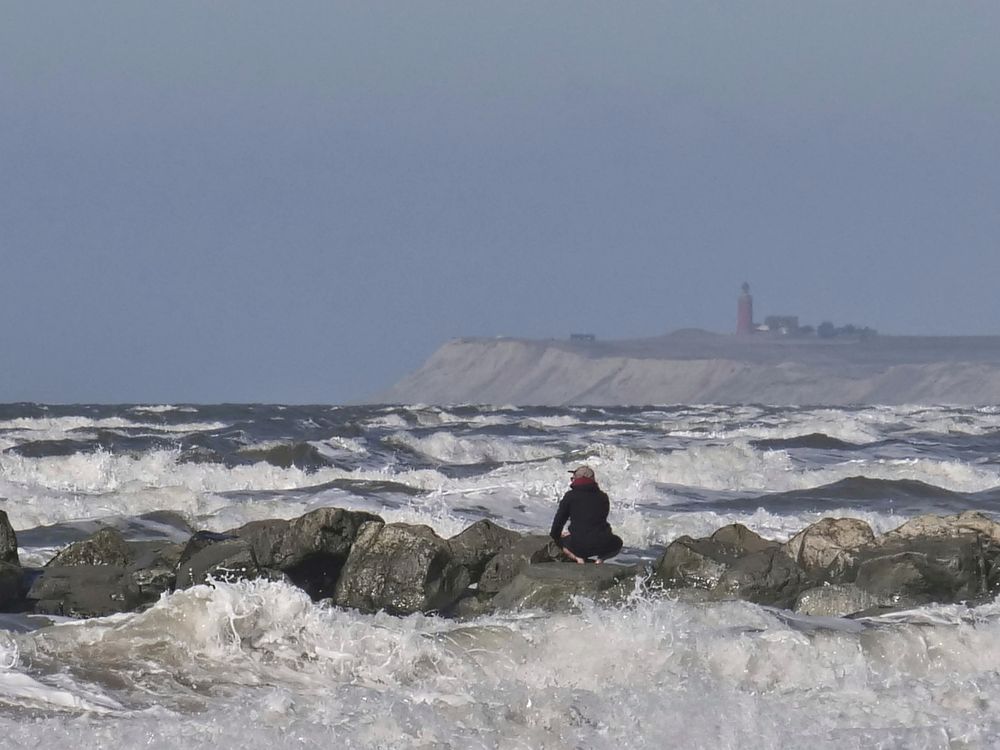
744,312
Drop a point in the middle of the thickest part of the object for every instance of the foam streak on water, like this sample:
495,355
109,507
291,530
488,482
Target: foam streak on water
260,665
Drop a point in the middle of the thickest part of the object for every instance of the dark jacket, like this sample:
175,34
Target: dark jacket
586,508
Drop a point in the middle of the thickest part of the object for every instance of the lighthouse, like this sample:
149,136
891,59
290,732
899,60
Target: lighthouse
744,312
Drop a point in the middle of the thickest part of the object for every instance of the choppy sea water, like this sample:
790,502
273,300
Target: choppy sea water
258,665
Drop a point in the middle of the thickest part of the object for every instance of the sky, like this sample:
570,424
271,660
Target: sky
298,202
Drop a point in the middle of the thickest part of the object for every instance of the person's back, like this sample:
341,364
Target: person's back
586,507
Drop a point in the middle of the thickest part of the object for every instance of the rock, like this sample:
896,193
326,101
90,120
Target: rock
554,586
105,547
311,549
826,549
474,547
836,600
218,556
931,525
506,564
736,539
766,577
701,563
10,585
85,591
921,570
8,541
471,604
400,568
154,567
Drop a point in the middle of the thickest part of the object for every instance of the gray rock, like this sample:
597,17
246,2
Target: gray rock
836,600
311,549
8,541
828,548
506,564
921,570
766,577
555,586
11,576
105,547
216,557
400,568
737,540
696,563
154,567
969,522
85,591
474,547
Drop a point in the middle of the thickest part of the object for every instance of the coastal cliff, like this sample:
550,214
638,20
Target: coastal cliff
700,367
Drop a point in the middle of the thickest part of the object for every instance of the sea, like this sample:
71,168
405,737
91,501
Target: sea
260,665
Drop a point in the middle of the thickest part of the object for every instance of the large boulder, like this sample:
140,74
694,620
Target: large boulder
11,590
736,539
400,568
969,522
828,548
8,541
103,574
85,591
768,577
483,540
701,563
153,567
837,600
105,547
311,549
506,564
209,555
556,586
920,570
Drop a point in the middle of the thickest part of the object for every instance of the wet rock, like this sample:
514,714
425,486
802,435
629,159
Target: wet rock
836,600
400,568
217,556
828,548
736,539
11,592
85,591
8,541
105,547
154,567
311,549
506,564
474,547
933,526
701,563
557,586
921,570
766,577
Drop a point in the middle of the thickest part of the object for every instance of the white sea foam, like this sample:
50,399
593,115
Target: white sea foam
655,673
449,448
58,428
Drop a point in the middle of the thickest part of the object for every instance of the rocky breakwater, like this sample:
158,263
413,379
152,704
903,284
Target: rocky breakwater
356,560
839,567
347,558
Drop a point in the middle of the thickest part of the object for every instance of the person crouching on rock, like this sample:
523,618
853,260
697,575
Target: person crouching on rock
586,508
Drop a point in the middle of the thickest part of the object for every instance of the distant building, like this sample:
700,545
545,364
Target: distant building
786,325
744,312
582,337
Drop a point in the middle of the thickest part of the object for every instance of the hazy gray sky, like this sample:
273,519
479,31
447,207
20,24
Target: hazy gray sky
299,201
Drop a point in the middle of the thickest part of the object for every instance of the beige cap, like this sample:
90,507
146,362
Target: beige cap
582,472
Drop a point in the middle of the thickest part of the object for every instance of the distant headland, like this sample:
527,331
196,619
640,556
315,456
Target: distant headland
777,362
